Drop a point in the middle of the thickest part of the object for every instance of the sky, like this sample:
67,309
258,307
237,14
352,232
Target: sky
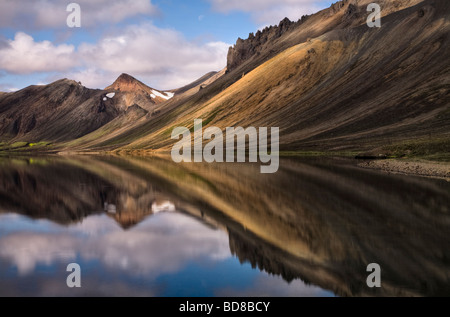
164,43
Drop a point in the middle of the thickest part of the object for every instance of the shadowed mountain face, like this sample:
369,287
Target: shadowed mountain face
64,110
319,221
267,43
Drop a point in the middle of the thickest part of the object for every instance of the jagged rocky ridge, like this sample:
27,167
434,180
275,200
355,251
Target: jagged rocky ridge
265,43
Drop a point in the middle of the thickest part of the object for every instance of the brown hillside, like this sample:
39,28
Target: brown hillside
351,88
132,91
63,110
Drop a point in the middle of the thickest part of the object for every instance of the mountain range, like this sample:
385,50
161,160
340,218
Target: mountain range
328,81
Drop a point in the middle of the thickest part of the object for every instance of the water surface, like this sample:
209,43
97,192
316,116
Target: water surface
150,227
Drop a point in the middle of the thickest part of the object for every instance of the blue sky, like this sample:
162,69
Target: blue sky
165,43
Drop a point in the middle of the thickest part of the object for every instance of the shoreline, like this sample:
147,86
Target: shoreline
403,166
410,167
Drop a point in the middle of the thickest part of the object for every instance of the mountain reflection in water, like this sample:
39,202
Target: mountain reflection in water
148,226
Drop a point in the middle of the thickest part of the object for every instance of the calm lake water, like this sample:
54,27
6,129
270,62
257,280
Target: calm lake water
149,227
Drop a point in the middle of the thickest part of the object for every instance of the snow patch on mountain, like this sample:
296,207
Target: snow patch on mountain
165,95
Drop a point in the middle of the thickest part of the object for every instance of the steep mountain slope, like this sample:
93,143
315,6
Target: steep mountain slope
265,44
60,111
350,88
197,84
65,110
136,117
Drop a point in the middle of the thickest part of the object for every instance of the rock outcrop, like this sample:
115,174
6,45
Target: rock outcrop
272,40
255,44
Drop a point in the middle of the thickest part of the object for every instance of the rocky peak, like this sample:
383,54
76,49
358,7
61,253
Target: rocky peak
125,82
125,78
65,81
132,91
265,43
255,44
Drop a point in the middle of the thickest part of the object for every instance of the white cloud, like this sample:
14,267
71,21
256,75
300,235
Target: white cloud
5,87
162,58
24,56
26,250
267,12
31,14
89,77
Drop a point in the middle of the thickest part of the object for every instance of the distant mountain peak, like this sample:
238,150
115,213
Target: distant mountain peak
127,83
66,81
126,78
